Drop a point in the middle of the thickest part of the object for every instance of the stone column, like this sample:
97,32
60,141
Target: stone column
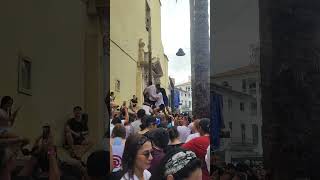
290,48
200,58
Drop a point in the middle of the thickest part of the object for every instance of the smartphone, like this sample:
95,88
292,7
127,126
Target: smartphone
45,132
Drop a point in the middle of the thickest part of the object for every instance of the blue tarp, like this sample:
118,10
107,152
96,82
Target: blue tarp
176,100
216,119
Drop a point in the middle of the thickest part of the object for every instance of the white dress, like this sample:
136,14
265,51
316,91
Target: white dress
146,176
4,119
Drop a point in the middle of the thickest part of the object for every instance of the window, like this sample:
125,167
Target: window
181,102
225,83
253,108
229,104
252,86
117,86
230,126
185,94
189,104
255,134
244,85
148,17
243,133
24,80
242,106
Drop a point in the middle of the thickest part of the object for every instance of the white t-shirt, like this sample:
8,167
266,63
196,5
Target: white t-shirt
117,152
4,121
160,100
192,136
111,128
129,129
190,126
184,132
136,125
147,109
207,158
152,92
146,176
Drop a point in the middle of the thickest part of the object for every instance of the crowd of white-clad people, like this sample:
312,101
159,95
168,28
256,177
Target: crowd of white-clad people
151,142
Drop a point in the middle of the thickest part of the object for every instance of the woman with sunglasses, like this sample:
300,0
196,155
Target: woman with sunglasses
137,157
179,164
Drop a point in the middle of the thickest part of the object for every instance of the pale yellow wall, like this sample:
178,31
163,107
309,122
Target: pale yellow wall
124,69
127,26
165,79
157,48
52,33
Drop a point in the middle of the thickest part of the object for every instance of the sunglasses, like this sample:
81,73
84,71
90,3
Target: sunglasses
147,154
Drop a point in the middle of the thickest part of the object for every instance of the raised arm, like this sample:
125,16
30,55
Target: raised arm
14,115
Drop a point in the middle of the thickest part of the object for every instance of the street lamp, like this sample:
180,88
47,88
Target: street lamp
180,52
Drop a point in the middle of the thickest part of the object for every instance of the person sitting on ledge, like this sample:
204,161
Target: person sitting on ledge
76,133
7,119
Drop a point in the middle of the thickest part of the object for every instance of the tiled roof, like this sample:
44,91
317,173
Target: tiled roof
221,89
242,70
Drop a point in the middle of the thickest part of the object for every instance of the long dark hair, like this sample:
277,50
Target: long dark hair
5,100
133,144
147,121
183,173
173,133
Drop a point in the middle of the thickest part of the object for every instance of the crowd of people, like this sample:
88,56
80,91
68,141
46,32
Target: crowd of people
22,159
145,142
151,142
236,171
